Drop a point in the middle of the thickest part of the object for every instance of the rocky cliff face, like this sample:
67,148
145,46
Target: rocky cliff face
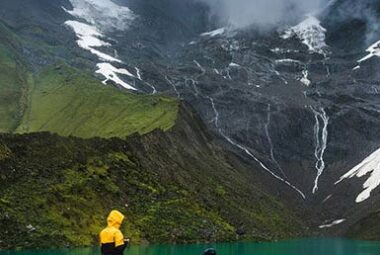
302,102
299,103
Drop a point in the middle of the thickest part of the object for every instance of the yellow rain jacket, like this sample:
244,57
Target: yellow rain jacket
111,238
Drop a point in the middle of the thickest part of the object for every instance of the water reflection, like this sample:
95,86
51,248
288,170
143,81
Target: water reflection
297,247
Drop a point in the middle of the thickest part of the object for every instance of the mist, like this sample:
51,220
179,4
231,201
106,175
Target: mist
363,10
262,13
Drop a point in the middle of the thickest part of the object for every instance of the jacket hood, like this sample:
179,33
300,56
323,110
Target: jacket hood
115,219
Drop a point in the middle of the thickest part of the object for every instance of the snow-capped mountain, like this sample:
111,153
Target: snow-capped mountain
94,19
300,103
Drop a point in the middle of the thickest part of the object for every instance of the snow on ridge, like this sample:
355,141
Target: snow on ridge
98,17
373,50
111,73
232,64
281,51
89,38
104,14
214,33
311,33
332,224
369,168
287,60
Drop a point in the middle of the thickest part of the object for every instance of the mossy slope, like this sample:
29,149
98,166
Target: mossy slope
366,228
70,103
66,101
13,82
174,186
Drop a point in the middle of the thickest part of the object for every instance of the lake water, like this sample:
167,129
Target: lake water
296,247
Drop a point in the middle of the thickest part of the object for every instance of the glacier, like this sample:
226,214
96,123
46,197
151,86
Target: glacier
369,168
311,33
97,18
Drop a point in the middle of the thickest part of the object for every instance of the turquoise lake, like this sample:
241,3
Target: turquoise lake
296,247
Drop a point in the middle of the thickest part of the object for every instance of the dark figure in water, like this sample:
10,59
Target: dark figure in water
210,252
111,239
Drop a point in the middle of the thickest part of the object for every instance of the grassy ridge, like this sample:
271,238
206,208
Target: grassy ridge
13,82
70,103
63,188
66,101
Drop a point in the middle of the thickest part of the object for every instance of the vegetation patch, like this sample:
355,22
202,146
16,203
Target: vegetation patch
70,103
5,152
57,191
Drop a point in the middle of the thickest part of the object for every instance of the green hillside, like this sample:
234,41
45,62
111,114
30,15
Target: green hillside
64,101
173,187
67,101
13,82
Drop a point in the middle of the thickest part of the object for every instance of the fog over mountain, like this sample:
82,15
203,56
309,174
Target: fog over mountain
263,13
269,114
365,12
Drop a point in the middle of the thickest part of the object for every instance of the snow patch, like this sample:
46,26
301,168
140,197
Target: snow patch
214,33
111,73
104,14
305,78
232,64
89,38
311,33
282,51
98,17
370,168
332,224
373,50
287,60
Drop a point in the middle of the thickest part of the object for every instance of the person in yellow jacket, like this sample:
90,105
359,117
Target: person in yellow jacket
111,238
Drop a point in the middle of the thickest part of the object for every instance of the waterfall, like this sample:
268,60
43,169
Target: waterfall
271,147
247,151
321,136
173,86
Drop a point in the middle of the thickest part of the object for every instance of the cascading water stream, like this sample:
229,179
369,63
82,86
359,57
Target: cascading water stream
248,152
321,137
271,147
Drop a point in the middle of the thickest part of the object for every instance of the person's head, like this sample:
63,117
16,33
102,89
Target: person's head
210,251
115,219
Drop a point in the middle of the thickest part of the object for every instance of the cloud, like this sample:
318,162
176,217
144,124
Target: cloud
262,13
366,11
